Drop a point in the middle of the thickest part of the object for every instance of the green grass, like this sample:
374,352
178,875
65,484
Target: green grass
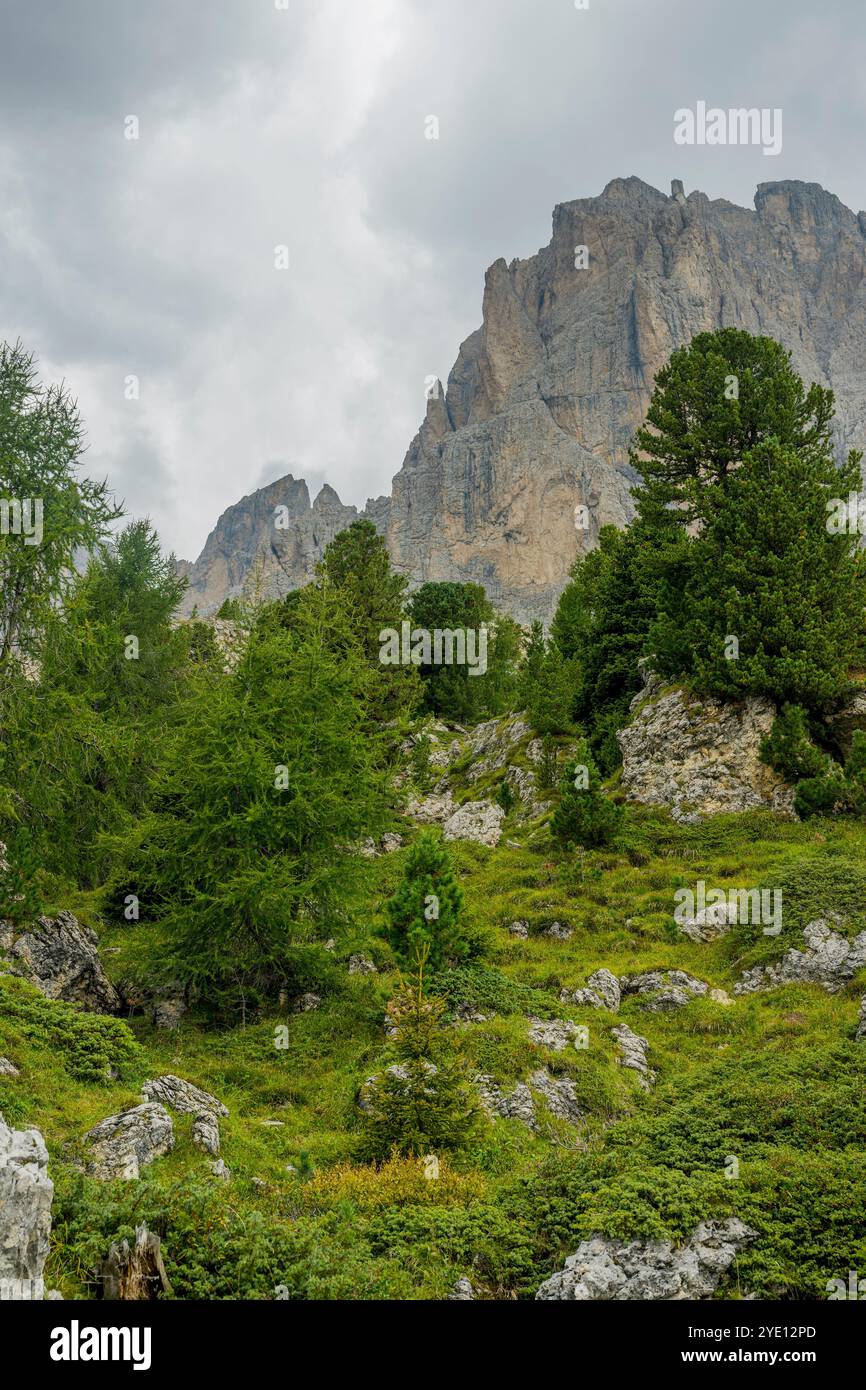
774,1080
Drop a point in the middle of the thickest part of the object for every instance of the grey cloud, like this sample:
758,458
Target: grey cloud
307,127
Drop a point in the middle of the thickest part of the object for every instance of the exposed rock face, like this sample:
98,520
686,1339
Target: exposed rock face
26,1192
182,1096
121,1145
60,957
663,990
188,1099
557,1094
544,396
700,758
462,1292
602,992
650,1269
276,529
633,1054
480,821
554,1033
830,959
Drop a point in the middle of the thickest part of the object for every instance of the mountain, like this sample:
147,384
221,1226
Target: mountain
544,397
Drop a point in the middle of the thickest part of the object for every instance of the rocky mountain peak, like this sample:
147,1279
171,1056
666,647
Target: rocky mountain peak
523,456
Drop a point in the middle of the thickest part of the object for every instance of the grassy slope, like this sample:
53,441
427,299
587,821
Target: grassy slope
775,1080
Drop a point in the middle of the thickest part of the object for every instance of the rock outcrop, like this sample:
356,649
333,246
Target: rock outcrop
699,757
830,959
188,1099
520,462
26,1193
121,1145
604,1269
529,1100
602,991
61,958
633,1050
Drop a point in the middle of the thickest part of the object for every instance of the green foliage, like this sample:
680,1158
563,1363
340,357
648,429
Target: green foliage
822,786
547,684
584,814
601,626
79,743
41,443
452,690
373,597
421,1104
789,747
92,1047
488,989
250,839
424,913
765,570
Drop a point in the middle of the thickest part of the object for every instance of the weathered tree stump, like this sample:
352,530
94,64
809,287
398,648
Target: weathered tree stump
137,1272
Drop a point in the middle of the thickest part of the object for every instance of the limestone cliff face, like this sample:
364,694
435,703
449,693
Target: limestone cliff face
272,540
544,397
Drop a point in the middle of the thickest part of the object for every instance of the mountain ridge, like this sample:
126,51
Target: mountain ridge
523,457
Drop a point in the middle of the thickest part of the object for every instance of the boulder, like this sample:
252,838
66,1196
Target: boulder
519,929
434,809
164,1002
479,821
26,1193
847,720
306,1003
558,1093
557,932
602,992
860,1035
60,957
633,1054
603,1268
121,1145
8,1068
708,923
461,1292
182,1096
492,744
830,959
362,965
206,1133
663,990
556,1034
700,758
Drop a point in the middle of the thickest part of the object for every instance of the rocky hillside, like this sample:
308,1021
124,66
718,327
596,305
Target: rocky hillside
544,396
672,1108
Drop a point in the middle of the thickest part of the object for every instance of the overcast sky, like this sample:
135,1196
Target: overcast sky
304,126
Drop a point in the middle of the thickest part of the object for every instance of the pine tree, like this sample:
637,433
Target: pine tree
41,444
424,913
270,775
584,816
421,1103
774,602
357,566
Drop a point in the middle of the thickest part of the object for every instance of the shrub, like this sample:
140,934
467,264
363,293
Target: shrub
584,814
